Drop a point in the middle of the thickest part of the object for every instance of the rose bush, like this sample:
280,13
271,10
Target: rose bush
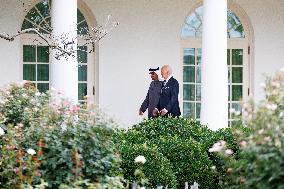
55,144
260,162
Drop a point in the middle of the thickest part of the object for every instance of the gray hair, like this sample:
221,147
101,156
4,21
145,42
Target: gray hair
168,68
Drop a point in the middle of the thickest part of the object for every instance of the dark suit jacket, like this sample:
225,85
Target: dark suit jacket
169,97
152,99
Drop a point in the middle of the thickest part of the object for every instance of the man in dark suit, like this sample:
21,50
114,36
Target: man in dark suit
168,103
152,99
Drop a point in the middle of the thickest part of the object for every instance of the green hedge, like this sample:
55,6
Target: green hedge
157,168
191,164
184,142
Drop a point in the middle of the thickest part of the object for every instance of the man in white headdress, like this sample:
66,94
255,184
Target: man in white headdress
152,98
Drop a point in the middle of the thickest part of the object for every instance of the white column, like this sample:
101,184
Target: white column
64,71
214,74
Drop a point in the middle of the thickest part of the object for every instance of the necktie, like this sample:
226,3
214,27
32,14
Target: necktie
164,82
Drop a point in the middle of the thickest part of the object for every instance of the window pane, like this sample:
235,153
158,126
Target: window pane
82,73
82,28
237,107
34,16
82,90
198,92
82,54
237,56
189,109
29,54
29,72
237,75
198,74
26,25
188,56
47,24
198,54
43,72
193,24
237,91
42,54
43,8
234,26
46,28
189,74
80,16
198,108
43,87
189,92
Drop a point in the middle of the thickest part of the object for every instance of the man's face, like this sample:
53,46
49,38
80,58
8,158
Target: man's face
164,73
154,76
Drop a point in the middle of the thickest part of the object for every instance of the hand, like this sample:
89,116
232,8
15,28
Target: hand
140,112
164,112
155,112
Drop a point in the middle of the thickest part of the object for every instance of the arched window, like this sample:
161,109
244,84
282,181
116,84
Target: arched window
192,27
36,53
237,61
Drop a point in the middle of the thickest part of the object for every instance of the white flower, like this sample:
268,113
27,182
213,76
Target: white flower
260,131
24,95
23,82
31,151
229,152
140,159
38,94
222,142
194,186
233,111
63,127
276,84
213,167
271,107
2,132
143,187
215,149
218,146
237,113
267,139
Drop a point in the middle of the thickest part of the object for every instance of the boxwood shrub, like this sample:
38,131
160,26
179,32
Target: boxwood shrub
157,168
191,164
184,142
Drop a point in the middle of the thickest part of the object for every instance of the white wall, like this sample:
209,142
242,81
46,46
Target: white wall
149,36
